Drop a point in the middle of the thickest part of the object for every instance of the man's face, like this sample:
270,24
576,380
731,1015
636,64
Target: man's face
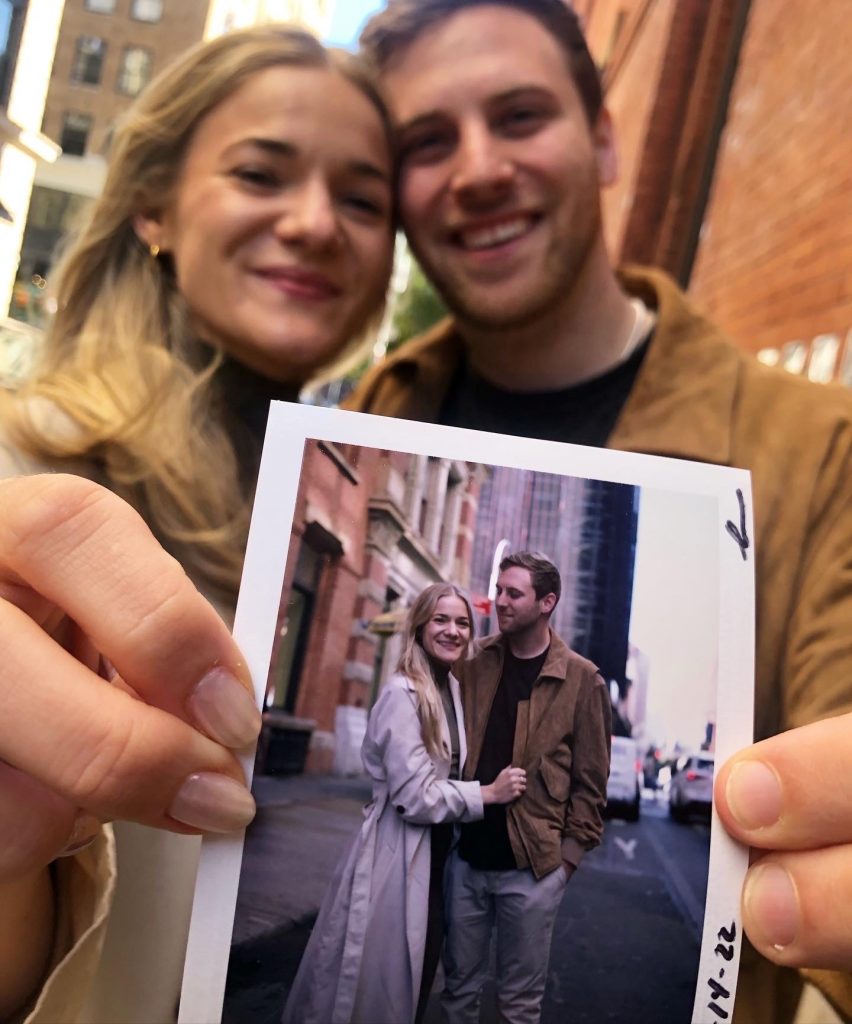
499,166
518,609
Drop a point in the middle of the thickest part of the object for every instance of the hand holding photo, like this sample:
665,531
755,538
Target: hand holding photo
496,677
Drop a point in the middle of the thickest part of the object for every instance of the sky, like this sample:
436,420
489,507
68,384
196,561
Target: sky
675,612
349,16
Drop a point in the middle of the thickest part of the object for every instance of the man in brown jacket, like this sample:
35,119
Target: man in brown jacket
528,701
504,145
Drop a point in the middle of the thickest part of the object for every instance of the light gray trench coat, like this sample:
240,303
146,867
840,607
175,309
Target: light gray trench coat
364,960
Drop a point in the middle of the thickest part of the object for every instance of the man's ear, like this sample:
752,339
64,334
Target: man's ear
548,603
603,135
150,229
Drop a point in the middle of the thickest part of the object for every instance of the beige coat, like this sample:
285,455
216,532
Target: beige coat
364,960
698,397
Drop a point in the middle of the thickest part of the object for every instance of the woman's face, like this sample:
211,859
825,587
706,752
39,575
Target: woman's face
446,635
279,226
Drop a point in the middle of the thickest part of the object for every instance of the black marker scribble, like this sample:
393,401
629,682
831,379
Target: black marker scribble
740,535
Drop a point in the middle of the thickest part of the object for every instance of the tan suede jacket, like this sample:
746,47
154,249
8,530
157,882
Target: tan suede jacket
699,397
562,739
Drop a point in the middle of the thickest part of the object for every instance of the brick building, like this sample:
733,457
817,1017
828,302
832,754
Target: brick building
735,176
28,33
106,52
371,528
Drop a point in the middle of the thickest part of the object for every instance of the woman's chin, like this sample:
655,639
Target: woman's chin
289,354
447,660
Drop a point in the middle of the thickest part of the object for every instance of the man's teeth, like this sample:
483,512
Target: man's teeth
482,238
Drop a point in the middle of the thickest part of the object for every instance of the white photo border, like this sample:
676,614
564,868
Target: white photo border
289,427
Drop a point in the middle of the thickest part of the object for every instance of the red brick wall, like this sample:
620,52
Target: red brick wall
328,497
663,81
631,100
181,26
775,261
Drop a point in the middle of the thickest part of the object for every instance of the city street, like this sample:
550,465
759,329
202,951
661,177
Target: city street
626,942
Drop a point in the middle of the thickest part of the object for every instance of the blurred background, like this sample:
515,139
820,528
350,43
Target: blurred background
732,118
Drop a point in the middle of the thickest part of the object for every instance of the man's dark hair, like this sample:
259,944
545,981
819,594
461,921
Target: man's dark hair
393,29
543,573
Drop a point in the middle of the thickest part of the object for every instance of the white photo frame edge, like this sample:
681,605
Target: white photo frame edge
291,425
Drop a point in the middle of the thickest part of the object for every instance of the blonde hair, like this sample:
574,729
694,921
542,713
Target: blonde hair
414,664
125,381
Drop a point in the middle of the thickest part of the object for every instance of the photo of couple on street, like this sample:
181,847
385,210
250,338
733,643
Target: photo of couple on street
527,699
436,838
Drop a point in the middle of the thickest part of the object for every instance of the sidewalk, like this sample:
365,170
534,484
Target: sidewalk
303,825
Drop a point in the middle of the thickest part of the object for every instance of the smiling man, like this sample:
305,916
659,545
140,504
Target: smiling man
504,147
528,700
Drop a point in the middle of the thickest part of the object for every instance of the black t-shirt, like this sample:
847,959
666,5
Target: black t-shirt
582,414
485,844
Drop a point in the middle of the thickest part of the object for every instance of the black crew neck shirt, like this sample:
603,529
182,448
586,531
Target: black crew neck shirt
584,413
485,844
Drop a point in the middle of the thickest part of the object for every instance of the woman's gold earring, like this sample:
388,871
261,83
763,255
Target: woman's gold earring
154,251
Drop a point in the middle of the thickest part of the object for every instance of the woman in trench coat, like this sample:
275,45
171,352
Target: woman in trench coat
374,949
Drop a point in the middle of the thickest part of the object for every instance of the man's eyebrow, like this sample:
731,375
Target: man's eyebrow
415,122
516,92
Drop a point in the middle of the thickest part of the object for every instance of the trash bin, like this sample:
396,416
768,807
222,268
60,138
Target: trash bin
284,742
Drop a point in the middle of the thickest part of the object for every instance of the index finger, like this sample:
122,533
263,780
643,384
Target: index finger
90,553
792,791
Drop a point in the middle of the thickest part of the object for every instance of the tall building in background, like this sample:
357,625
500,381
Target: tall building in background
604,577
588,529
226,15
106,52
28,34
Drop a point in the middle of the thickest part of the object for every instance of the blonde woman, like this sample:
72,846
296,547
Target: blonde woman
242,240
374,950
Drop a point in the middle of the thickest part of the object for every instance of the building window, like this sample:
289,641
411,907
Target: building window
135,70
100,6
147,10
75,134
51,209
89,60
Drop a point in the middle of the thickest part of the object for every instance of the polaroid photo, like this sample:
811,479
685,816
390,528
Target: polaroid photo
354,516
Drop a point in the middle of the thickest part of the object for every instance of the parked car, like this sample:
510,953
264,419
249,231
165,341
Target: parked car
624,787
691,788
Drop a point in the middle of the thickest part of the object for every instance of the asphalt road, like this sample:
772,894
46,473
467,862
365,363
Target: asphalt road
625,947
628,934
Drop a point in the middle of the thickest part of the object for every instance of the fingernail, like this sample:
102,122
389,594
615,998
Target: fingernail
84,833
754,795
225,710
772,904
213,803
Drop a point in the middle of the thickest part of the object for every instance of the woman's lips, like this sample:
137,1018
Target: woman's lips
300,284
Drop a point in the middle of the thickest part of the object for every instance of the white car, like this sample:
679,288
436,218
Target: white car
691,788
624,788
